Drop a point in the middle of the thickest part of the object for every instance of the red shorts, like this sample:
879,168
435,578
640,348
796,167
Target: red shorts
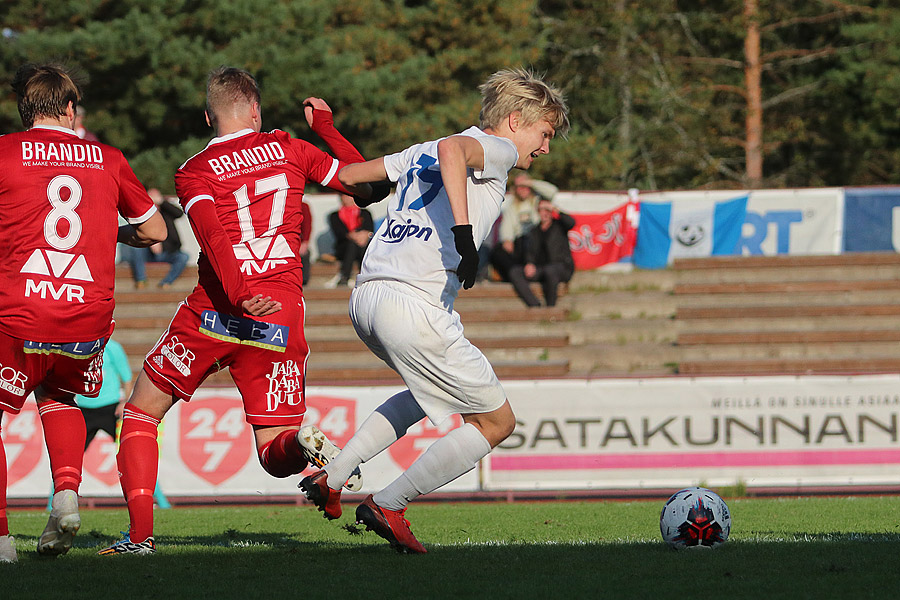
266,357
71,368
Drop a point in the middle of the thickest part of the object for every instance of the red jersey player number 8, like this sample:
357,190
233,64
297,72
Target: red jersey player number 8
63,210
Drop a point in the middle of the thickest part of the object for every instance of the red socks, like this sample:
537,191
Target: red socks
282,456
138,460
64,433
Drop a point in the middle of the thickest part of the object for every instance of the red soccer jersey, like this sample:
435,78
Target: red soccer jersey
243,195
60,197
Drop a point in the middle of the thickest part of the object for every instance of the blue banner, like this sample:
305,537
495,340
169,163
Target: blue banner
872,220
688,229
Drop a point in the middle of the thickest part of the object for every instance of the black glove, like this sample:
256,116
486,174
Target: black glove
380,191
468,263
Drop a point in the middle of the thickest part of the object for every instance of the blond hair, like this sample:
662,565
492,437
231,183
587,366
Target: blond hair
226,87
44,91
511,90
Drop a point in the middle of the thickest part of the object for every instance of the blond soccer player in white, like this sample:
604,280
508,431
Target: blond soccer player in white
449,193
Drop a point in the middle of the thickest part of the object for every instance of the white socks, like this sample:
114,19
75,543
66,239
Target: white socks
382,428
453,455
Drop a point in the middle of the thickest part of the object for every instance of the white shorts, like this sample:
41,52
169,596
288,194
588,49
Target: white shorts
425,344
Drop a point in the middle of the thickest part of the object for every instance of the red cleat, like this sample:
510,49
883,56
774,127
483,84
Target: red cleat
389,524
317,491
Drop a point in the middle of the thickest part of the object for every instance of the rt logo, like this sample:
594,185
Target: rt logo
782,220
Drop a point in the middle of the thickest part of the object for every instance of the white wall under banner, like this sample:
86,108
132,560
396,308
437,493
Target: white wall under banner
208,450
571,435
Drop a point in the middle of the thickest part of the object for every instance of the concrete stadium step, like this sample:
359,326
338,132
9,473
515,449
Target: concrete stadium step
789,311
786,287
619,331
815,298
365,358
853,259
793,366
631,359
342,318
850,336
499,342
767,324
621,305
337,374
786,351
770,269
164,304
358,355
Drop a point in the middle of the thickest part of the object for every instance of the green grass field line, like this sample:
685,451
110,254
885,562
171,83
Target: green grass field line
780,548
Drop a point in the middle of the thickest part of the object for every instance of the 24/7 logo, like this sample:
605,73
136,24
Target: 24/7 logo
215,442
335,417
23,438
100,460
407,449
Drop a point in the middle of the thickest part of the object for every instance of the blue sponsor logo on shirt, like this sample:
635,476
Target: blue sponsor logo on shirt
239,330
396,231
71,349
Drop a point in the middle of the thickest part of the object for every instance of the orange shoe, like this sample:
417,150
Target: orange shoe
389,524
317,491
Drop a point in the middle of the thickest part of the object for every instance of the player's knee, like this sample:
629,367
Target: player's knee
497,427
278,468
506,428
281,457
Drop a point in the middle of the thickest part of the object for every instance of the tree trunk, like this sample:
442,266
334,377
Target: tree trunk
625,96
752,76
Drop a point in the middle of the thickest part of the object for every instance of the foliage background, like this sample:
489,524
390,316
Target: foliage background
656,89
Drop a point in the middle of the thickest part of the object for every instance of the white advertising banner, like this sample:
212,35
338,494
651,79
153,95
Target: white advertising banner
570,435
790,221
206,448
673,432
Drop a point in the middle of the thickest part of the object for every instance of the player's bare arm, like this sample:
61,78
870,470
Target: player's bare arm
145,234
371,174
456,154
371,171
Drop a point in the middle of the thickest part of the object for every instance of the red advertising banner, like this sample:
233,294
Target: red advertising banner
599,239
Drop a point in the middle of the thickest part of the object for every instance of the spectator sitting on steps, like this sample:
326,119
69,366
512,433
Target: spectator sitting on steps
352,227
518,217
548,258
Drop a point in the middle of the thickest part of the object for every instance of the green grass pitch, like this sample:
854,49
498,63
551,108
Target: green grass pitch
779,548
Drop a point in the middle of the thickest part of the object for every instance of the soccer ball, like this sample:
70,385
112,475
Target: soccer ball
695,518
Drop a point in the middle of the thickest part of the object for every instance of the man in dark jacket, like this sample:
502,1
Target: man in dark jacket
170,250
352,228
548,258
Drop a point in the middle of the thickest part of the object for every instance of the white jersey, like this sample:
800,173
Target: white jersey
415,243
